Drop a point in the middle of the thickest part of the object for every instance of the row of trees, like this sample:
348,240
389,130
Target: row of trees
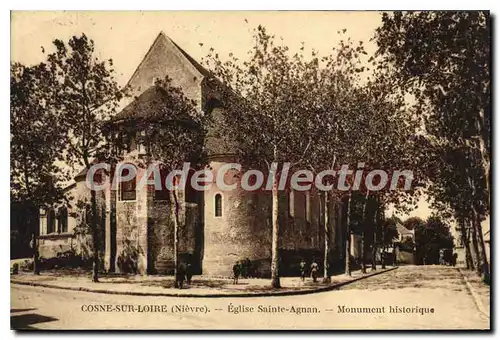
316,113
442,60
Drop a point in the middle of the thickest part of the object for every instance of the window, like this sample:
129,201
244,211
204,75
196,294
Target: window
127,188
190,192
163,194
43,221
141,142
218,205
62,220
51,221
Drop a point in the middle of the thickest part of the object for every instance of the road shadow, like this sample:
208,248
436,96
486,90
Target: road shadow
25,321
22,310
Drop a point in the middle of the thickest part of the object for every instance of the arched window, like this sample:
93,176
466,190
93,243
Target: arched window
127,188
62,220
51,221
190,192
218,205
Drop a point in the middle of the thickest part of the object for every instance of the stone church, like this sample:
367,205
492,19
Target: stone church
218,227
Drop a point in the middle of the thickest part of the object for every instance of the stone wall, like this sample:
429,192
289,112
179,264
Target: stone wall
243,231
50,245
161,237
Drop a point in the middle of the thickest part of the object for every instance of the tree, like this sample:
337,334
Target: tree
389,142
442,60
35,145
413,222
84,96
338,114
268,106
430,237
173,131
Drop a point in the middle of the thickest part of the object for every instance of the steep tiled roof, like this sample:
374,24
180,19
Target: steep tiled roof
141,106
164,58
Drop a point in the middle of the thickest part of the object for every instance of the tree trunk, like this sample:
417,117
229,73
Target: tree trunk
95,237
36,265
465,241
485,270
477,257
174,208
382,255
374,247
326,276
485,162
348,238
275,279
94,229
363,234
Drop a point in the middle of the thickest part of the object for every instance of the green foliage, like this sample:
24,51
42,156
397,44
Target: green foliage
85,96
442,59
431,236
269,101
386,236
35,138
413,223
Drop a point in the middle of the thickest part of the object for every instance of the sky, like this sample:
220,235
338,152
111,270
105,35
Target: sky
126,36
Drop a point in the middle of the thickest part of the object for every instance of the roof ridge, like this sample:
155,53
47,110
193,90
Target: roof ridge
193,61
197,67
145,56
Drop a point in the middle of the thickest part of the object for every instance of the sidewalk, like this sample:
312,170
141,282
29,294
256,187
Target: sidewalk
201,286
480,292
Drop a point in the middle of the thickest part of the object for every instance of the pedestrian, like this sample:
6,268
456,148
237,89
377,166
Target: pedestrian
189,273
180,277
441,257
236,272
302,269
314,270
454,259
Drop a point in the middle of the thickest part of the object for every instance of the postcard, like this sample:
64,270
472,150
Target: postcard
244,170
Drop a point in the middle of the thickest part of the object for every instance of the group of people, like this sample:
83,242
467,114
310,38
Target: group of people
242,268
314,270
184,273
